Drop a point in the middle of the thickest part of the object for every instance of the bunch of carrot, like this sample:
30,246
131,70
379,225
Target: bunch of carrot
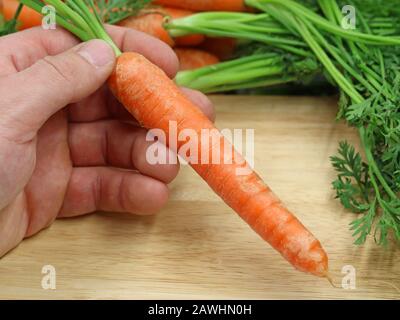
149,20
141,86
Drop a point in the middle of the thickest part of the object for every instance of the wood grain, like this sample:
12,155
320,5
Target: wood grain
197,247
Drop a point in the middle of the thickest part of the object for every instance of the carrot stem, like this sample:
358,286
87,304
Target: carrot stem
237,25
76,17
254,71
300,10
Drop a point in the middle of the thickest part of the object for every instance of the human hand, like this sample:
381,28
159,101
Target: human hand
67,147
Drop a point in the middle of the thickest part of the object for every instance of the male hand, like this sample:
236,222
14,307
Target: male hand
67,147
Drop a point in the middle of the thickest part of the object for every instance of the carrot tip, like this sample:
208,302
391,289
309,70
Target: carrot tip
330,279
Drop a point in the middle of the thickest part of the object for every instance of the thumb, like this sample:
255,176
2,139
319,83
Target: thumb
31,97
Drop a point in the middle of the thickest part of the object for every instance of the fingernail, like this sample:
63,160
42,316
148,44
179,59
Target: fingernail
97,52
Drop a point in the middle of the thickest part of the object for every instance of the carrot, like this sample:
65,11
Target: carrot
151,22
205,5
28,18
191,59
154,100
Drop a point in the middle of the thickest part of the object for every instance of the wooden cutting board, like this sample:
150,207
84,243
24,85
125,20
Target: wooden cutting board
197,247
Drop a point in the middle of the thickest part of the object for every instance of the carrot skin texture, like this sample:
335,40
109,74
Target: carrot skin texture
205,5
154,100
152,23
28,17
191,59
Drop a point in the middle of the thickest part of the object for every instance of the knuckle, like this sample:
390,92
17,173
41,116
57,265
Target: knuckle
59,73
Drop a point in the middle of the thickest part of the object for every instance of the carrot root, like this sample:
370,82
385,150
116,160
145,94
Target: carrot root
191,59
154,100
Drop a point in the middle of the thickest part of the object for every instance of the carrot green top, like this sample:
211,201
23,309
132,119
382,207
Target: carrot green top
80,17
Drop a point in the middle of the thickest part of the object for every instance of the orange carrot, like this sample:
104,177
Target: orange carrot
205,5
191,59
151,22
154,100
28,18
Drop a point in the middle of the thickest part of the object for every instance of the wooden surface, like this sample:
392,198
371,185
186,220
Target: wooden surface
197,247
